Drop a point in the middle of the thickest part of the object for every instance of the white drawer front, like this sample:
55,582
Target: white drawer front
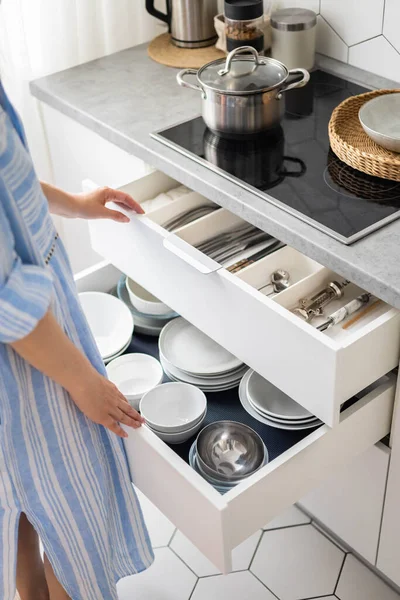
317,370
216,524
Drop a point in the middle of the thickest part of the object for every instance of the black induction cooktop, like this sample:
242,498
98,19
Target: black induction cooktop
293,166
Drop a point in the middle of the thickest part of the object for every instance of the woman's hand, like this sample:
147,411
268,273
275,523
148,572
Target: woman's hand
104,404
93,205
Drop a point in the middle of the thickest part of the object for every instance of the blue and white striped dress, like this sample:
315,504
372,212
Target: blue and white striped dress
67,474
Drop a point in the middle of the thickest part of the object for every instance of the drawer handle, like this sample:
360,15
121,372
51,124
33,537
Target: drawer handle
190,255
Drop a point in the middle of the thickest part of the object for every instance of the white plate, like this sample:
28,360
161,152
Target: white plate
291,424
191,350
110,321
222,388
253,413
110,358
271,401
214,382
135,374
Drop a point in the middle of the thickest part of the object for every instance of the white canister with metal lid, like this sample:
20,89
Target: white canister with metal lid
294,37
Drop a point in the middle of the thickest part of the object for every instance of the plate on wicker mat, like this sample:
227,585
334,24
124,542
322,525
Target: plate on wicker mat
354,147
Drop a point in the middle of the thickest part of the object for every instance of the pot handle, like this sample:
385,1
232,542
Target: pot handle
295,161
296,84
232,54
180,79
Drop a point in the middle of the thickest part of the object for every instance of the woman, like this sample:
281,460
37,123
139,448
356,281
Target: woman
63,472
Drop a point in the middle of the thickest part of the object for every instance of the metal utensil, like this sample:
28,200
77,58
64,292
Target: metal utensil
219,240
280,281
235,249
273,246
189,216
309,308
346,310
228,451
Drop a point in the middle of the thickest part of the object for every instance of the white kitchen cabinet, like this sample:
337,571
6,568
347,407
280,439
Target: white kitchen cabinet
319,370
350,503
216,524
388,552
77,152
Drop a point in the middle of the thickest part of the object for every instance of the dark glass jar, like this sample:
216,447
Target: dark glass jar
244,21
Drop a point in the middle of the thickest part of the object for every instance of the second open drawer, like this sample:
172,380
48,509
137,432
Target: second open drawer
318,370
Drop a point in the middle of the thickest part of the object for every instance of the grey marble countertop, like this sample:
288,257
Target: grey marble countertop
126,96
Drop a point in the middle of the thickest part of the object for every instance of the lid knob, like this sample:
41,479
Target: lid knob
231,56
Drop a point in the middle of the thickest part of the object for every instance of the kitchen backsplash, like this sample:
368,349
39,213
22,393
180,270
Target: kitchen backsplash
363,33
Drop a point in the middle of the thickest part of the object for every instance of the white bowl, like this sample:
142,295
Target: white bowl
180,437
380,119
135,375
173,407
110,321
145,302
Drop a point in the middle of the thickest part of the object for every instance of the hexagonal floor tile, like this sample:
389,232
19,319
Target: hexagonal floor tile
241,556
167,579
367,14
359,583
236,586
391,23
291,516
160,528
298,562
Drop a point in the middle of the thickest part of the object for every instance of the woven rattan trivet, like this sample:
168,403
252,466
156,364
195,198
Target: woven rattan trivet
163,51
353,146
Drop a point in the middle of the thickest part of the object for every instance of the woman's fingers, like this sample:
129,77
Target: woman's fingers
131,412
115,215
115,428
122,417
124,199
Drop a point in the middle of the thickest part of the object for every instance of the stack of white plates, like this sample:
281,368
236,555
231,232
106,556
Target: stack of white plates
110,321
269,405
190,356
147,324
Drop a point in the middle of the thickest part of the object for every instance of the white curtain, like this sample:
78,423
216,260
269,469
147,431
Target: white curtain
38,37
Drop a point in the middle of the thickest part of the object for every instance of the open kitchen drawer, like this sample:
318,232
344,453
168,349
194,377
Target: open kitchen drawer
218,523
318,370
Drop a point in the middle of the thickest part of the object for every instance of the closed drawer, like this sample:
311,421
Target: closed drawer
319,370
216,524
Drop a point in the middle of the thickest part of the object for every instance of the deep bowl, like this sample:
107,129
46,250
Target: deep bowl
229,451
380,119
173,407
135,375
182,436
143,301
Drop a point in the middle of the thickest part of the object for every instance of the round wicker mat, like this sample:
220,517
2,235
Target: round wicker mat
163,51
353,146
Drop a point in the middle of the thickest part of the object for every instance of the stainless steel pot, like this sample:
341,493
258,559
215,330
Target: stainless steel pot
244,97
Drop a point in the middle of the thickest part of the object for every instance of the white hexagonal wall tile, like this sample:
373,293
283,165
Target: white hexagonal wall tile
160,528
354,20
236,586
310,4
291,516
167,579
359,583
298,562
329,43
377,56
241,556
391,22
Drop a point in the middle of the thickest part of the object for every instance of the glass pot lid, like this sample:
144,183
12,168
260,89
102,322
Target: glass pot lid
243,74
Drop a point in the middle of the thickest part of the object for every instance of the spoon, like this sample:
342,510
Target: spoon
280,281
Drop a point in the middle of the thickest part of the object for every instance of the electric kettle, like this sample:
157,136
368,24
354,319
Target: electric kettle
190,22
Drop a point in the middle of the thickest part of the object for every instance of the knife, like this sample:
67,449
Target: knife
245,262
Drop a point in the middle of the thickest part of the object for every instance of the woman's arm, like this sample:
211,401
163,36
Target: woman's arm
48,349
91,205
